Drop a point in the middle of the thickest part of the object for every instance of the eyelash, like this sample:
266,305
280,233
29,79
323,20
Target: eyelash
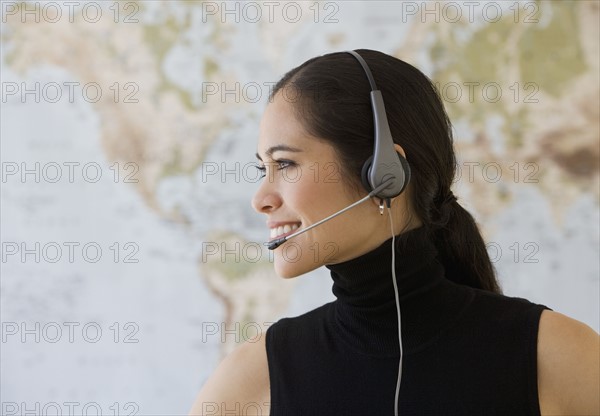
287,163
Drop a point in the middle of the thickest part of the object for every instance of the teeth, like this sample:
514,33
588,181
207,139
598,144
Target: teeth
277,231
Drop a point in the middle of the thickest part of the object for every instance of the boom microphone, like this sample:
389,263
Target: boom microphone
272,245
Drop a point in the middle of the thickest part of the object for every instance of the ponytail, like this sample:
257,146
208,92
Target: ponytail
461,249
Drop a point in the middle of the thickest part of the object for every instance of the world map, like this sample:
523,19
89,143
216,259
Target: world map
164,99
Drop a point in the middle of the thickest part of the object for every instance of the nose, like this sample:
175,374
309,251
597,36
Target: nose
266,199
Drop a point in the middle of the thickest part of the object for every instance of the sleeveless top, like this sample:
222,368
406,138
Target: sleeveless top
466,351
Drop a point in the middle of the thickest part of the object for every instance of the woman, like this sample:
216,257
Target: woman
466,349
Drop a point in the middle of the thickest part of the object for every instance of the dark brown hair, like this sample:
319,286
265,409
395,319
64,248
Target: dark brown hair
331,99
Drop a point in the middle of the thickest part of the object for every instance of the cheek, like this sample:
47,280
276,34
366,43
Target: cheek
305,195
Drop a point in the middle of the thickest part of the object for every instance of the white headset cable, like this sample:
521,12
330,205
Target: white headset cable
397,308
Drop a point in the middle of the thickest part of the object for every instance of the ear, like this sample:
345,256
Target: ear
400,150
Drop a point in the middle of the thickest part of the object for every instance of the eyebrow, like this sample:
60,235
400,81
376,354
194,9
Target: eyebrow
278,148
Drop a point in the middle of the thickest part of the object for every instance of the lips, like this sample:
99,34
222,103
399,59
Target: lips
279,230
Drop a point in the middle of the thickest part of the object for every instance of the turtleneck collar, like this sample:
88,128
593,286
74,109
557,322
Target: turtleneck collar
365,308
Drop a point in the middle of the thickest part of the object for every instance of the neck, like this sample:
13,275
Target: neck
365,309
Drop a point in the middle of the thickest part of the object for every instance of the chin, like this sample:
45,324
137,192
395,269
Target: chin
288,269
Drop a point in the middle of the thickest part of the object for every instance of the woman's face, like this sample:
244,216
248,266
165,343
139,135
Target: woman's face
303,184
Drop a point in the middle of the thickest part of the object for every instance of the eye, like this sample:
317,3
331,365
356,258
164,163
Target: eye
262,169
282,164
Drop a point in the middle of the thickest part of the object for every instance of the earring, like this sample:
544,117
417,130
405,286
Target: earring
381,207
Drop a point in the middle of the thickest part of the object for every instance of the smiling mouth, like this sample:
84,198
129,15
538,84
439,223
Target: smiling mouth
284,231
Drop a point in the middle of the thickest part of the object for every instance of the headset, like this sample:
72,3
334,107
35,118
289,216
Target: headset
385,163
384,175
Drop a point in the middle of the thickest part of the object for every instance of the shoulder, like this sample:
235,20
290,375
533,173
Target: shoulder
239,385
568,366
518,316
503,303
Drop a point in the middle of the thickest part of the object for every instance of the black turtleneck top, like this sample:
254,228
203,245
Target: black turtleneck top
466,351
